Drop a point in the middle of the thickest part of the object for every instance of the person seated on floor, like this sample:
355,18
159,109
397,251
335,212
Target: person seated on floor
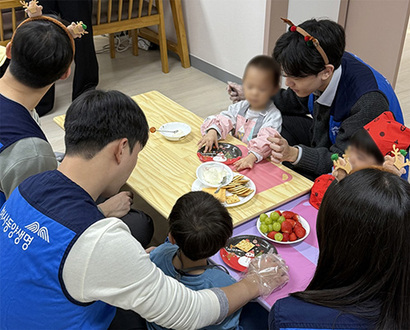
370,146
199,226
362,276
56,246
373,144
253,120
331,94
40,53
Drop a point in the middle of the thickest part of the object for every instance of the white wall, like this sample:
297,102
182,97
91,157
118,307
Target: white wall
302,10
224,33
228,33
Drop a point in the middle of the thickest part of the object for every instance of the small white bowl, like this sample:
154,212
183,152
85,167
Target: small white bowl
205,166
183,131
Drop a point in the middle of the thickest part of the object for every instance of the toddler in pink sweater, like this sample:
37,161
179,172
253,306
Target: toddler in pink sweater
252,120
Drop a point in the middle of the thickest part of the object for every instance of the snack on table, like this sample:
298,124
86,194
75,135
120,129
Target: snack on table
237,186
232,199
221,195
245,245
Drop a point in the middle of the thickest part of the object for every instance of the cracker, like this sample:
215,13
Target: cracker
232,199
245,245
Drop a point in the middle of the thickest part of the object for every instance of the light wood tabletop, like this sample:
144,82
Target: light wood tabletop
166,169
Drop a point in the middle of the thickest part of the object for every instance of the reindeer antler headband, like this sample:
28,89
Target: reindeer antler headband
310,41
34,12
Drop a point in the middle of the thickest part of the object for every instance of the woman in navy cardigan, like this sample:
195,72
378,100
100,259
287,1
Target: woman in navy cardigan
362,280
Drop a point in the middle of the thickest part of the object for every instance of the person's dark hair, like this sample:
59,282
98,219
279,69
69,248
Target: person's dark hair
363,233
41,53
97,118
363,141
200,225
266,63
299,60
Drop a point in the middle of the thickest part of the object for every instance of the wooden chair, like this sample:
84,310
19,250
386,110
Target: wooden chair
111,16
181,46
11,15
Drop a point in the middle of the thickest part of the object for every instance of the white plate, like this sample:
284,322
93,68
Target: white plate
197,186
184,128
201,168
302,220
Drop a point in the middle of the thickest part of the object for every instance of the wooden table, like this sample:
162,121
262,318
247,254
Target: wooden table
166,170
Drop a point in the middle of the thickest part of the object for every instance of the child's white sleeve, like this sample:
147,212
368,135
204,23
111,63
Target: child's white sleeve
224,122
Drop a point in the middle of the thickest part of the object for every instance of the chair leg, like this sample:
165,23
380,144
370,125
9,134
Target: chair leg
134,37
180,32
162,38
112,45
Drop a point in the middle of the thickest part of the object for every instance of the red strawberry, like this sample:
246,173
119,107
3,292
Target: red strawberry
286,227
300,232
298,225
285,237
293,222
288,214
296,217
292,237
272,234
278,212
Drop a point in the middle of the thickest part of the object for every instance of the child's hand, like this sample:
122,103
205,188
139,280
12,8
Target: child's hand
235,92
246,162
389,165
340,174
208,140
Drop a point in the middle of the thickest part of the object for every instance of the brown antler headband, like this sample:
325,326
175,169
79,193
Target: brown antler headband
310,41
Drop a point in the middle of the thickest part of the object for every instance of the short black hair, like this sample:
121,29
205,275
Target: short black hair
96,118
200,225
41,53
266,63
299,60
362,140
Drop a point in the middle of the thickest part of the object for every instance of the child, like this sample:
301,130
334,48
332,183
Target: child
252,120
371,145
199,228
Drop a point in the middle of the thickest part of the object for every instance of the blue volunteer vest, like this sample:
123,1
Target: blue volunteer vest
41,221
358,78
16,124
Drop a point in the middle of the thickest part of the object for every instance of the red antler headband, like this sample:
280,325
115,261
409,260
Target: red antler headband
310,41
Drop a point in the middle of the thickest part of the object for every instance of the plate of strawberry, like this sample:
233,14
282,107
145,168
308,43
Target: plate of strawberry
283,227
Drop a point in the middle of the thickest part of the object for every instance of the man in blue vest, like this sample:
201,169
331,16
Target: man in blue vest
40,53
331,95
64,265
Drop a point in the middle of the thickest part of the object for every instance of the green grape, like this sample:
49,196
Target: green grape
270,227
268,221
278,237
263,217
274,216
276,226
281,219
264,228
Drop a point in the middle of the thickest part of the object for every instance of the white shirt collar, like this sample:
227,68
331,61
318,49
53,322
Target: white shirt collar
327,97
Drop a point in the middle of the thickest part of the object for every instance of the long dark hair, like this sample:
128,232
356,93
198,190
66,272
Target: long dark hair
363,229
